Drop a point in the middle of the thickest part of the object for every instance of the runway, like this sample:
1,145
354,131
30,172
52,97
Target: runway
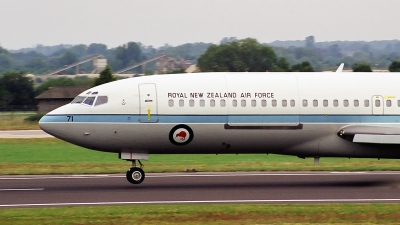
24,134
174,188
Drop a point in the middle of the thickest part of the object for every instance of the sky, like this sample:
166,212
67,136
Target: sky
27,23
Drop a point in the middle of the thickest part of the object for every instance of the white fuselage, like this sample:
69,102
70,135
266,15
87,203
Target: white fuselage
284,113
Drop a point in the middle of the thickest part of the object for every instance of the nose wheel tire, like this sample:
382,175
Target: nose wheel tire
135,175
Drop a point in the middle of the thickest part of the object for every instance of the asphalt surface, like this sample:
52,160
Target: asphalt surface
24,134
175,188
170,188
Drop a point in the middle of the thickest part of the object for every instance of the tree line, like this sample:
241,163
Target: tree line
250,56
43,59
17,89
232,55
321,55
36,61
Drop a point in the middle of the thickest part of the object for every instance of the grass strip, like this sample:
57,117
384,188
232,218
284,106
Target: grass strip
53,156
16,121
378,213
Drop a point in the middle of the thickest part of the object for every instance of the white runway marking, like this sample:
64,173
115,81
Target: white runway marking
44,177
227,174
208,202
251,174
91,176
23,189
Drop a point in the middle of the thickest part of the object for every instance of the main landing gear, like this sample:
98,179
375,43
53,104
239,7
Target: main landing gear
135,175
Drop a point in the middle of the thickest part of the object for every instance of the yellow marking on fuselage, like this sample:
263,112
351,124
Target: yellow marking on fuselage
148,114
386,96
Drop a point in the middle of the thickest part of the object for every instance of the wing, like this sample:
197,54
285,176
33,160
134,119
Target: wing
371,134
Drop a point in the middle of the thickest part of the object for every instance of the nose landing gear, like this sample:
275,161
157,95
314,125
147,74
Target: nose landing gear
135,175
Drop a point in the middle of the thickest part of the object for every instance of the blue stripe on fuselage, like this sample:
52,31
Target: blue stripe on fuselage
224,119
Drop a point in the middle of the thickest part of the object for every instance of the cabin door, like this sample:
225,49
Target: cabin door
377,105
148,103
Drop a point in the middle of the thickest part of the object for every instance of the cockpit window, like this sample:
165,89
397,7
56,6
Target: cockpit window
89,101
101,100
78,99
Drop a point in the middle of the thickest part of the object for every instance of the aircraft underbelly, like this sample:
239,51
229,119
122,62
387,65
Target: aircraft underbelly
207,138
154,138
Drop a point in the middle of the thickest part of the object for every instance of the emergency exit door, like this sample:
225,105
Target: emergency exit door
148,103
377,105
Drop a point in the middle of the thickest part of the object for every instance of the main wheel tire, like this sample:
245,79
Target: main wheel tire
135,175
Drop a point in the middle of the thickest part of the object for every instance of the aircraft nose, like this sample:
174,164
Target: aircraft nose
53,122
51,125
44,124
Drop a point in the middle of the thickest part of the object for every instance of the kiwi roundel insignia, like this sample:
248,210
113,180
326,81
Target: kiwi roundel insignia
181,135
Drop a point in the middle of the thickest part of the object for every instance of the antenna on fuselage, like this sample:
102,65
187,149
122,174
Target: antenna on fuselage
340,69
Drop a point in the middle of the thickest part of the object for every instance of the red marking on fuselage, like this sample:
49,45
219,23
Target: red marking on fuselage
182,135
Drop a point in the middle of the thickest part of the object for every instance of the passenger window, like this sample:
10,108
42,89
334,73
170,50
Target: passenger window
274,103
305,103
234,103
356,103
212,103
264,103
101,100
89,101
377,103
292,103
284,102
315,103
389,103
78,99
191,103
171,103
346,103
398,103
325,103
223,103
366,103
335,103
243,103
253,103
181,103
202,103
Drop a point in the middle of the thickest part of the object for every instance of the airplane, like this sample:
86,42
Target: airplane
354,115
